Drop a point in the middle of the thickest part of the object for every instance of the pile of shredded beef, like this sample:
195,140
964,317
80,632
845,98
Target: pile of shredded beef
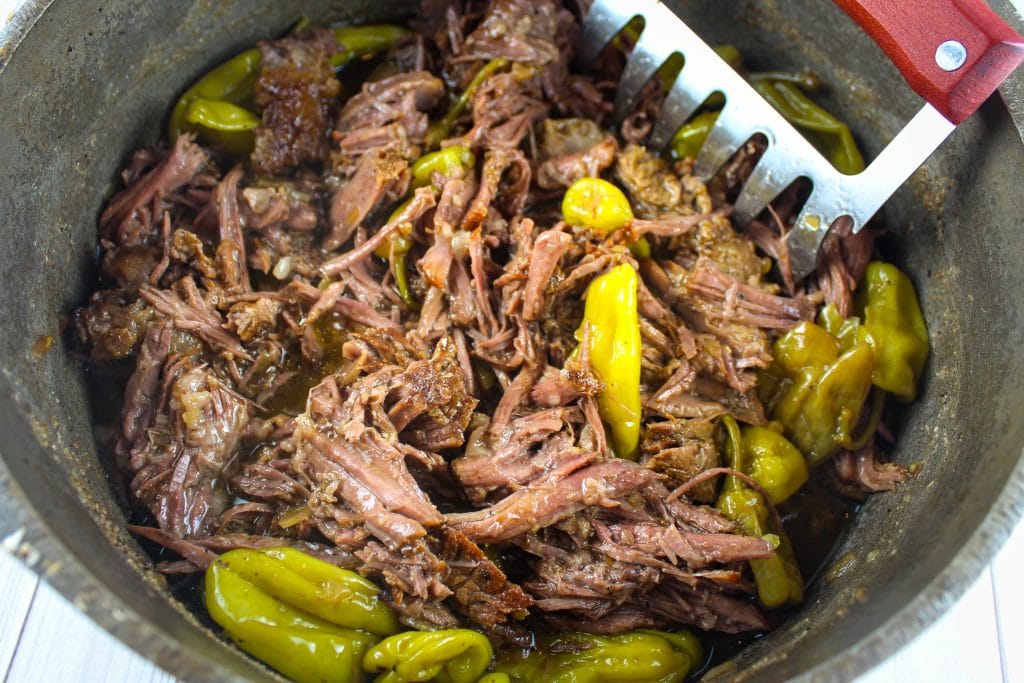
283,393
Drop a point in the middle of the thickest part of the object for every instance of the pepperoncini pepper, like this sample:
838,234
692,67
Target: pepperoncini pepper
773,462
644,655
835,137
690,138
359,41
296,613
447,161
826,391
442,128
894,328
613,323
597,204
777,578
234,82
452,656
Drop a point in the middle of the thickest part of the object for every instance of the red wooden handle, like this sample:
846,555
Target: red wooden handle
911,31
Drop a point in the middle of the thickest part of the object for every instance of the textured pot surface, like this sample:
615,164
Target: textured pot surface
83,84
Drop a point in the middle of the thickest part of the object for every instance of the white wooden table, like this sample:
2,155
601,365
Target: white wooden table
981,639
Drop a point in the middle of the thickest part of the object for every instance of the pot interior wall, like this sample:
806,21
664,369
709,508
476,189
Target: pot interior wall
92,81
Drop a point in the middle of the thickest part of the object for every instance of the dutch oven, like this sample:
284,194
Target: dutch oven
84,83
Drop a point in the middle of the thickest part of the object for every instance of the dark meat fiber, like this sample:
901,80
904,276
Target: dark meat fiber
387,373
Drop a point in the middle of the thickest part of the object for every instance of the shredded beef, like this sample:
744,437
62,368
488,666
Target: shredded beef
392,373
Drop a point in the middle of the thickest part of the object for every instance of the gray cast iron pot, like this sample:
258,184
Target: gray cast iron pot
84,83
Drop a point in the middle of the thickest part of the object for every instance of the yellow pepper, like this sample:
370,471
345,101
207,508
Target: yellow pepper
644,655
894,328
265,601
774,463
444,161
777,578
611,315
453,656
596,204
827,387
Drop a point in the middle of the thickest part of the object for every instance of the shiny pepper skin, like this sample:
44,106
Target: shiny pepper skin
452,656
894,328
302,616
613,323
826,391
777,578
644,655
774,463
215,106
596,204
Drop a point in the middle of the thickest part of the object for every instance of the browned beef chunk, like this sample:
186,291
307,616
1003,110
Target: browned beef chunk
295,93
518,30
178,461
382,176
563,171
428,403
651,184
478,586
389,113
112,324
682,449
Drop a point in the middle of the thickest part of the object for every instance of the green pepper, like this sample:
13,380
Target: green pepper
847,331
894,328
233,81
453,656
441,129
445,161
773,462
645,655
777,578
612,317
496,677
827,388
396,250
224,124
315,586
690,138
359,41
800,110
274,629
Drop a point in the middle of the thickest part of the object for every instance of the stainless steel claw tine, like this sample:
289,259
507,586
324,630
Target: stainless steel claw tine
640,68
767,181
687,94
730,131
604,21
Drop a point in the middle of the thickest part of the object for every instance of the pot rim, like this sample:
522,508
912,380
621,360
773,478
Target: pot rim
27,534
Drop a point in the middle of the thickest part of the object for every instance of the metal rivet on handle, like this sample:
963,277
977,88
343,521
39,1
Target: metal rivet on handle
951,55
